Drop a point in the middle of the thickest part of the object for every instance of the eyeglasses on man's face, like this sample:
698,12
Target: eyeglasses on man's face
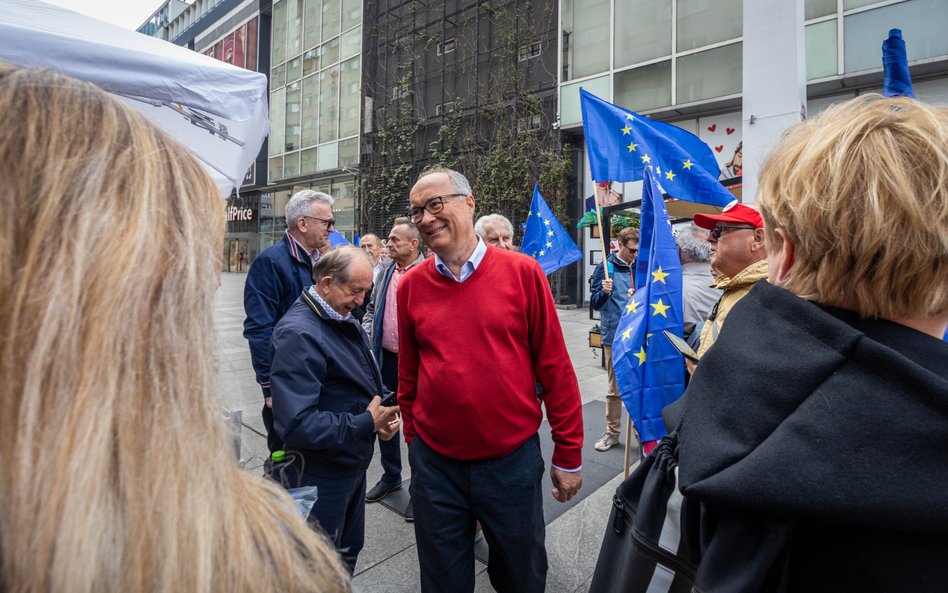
717,231
433,206
329,222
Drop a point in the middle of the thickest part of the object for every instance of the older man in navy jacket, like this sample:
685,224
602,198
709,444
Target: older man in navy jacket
326,391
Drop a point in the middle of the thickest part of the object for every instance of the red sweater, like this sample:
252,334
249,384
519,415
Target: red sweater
468,354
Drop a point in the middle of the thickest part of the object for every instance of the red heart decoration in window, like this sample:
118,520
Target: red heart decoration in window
719,148
712,127
729,131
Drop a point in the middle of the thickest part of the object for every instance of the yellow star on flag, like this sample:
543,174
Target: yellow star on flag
632,307
687,164
669,176
629,117
659,307
646,159
546,221
550,233
542,252
658,171
632,146
626,130
549,244
529,214
626,334
659,276
640,355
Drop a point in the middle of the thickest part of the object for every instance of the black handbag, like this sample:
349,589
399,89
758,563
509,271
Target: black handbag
652,542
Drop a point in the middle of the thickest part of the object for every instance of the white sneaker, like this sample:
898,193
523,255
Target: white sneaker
607,441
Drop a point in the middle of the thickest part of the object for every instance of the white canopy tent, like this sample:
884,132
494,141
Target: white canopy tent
217,110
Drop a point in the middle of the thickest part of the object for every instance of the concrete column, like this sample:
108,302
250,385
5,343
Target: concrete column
774,75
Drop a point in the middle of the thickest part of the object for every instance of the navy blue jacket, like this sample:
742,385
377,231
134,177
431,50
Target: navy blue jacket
274,282
610,305
322,378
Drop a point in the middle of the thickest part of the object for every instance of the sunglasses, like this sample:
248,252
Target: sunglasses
717,231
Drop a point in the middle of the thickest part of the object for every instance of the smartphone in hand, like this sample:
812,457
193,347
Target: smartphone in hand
681,346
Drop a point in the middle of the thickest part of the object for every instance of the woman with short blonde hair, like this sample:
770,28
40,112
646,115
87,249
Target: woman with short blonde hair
115,469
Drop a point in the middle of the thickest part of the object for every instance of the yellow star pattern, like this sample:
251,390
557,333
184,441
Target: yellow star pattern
544,253
626,130
626,334
640,355
659,276
658,171
629,117
546,221
632,146
632,307
659,307
548,244
529,214
550,233
646,159
687,164
669,176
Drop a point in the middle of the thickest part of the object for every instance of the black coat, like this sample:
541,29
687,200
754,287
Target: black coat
818,445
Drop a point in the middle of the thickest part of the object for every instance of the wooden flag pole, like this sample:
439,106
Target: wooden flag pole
628,444
605,240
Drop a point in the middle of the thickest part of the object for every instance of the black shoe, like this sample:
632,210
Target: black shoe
381,490
409,513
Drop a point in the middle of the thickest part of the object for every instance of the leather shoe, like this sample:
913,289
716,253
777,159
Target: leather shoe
410,513
381,490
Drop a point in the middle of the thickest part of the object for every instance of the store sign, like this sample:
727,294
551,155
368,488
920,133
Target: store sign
236,213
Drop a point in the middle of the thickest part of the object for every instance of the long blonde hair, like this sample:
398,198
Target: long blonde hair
115,470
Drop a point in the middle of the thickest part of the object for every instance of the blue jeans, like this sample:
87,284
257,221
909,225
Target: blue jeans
504,494
340,510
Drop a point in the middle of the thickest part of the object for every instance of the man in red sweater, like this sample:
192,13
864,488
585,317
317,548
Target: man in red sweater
477,329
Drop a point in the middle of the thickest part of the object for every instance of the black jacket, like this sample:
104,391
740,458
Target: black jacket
323,377
818,444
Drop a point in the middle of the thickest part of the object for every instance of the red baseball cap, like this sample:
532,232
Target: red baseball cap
734,213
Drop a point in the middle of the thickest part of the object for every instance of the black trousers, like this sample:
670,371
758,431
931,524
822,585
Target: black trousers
504,494
390,451
274,443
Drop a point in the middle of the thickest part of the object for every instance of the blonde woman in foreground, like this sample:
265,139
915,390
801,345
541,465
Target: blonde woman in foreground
116,474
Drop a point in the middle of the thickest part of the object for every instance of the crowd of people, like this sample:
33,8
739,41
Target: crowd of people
813,430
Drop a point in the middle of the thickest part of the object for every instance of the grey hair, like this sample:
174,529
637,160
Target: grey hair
693,243
337,264
412,229
299,204
460,182
483,221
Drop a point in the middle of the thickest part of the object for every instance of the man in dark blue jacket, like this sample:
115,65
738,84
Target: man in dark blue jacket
277,277
609,297
326,391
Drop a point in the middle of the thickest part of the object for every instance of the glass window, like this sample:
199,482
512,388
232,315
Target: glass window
702,23
277,120
349,98
351,13
330,18
292,138
585,37
349,152
327,156
821,50
308,161
312,11
310,61
923,27
310,113
293,69
329,53
275,170
643,31
278,42
294,27
850,4
329,104
351,43
710,74
817,8
570,110
278,77
644,88
291,165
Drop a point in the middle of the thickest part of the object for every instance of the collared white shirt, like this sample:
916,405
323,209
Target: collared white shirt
333,314
469,266
296,247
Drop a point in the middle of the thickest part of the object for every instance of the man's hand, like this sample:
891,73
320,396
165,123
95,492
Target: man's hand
607,286
381,415
391,429
691,365
269,402
565,484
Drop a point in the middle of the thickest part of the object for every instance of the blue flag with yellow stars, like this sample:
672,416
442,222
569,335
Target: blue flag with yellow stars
337,239
649,371
545,239
621,144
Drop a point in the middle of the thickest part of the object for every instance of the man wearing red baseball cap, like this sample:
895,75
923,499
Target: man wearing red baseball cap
738,257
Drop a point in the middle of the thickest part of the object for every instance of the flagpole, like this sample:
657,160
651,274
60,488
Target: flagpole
606,251
628,444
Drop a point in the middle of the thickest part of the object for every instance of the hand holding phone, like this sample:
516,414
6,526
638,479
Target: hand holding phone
681,346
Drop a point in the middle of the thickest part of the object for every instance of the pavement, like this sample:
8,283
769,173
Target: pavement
389,561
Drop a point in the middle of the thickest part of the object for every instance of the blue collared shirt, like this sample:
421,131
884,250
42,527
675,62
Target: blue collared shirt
296,247
469,266
333,314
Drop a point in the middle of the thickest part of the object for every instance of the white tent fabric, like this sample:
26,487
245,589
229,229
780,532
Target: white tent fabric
217,110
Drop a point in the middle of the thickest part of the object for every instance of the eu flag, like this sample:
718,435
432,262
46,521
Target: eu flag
337,239
545,239
897,81
649,371
621,144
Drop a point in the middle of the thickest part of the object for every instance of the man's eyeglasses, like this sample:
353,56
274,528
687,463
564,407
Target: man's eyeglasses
329,222
717,231
433,206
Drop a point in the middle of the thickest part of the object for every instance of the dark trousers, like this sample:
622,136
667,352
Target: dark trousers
340,510
274,443
504,494
391,450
